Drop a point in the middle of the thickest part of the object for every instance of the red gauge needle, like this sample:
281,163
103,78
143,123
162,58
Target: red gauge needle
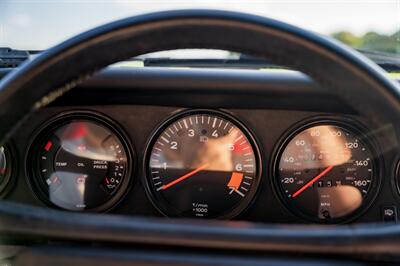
176,181
312,181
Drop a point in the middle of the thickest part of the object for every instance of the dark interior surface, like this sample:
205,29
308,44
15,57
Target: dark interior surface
289,100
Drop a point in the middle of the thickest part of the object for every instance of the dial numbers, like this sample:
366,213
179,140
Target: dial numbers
81,164
325,172
202,165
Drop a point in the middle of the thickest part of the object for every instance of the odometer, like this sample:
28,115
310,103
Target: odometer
326,172
202,164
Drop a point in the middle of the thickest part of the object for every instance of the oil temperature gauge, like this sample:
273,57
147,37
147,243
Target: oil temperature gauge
81,164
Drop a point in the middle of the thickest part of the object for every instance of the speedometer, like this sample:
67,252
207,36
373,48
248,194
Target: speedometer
326,172
202,164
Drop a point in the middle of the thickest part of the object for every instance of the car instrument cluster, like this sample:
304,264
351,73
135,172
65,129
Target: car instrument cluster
202,163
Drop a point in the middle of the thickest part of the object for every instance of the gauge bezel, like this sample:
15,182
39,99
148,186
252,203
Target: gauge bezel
11,168
396,180
347,123
34,178
163,207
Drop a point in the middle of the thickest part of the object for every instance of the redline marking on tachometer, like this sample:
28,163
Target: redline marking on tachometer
235,181
48,146
241,136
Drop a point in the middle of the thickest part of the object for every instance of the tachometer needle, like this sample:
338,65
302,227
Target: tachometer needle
312,181
176,181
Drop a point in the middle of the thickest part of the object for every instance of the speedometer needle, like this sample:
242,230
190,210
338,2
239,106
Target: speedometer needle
312,181
176,181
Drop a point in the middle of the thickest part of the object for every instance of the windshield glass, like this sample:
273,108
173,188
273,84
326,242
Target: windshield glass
38,25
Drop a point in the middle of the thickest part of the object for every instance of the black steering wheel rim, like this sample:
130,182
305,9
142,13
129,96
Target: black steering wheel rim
55,71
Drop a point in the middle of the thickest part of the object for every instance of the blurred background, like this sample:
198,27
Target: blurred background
38,25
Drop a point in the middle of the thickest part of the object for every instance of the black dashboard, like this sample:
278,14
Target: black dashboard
277,148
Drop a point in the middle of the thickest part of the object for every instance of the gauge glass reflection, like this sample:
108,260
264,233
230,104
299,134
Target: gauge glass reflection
202,165
325,172
81,165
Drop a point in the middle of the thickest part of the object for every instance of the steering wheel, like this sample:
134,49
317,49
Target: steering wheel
40,81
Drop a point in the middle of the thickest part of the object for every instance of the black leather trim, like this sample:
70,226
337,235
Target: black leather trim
32,223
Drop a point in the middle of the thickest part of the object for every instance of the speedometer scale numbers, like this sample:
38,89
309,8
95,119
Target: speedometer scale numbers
325,172
202,165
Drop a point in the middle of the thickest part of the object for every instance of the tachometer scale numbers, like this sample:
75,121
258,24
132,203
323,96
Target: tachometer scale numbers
325,172
202,165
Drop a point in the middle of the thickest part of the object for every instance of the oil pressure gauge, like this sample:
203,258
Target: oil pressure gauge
81,163
202,164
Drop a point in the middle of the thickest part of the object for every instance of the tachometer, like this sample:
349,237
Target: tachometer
326,172
81,163
202,164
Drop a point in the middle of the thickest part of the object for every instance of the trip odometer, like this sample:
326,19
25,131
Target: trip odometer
202,164
325,172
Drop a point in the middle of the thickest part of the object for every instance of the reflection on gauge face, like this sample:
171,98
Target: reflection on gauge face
82,165
4,169
202,164
325,173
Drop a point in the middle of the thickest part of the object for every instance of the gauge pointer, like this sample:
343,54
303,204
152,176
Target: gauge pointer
312,181
176,181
